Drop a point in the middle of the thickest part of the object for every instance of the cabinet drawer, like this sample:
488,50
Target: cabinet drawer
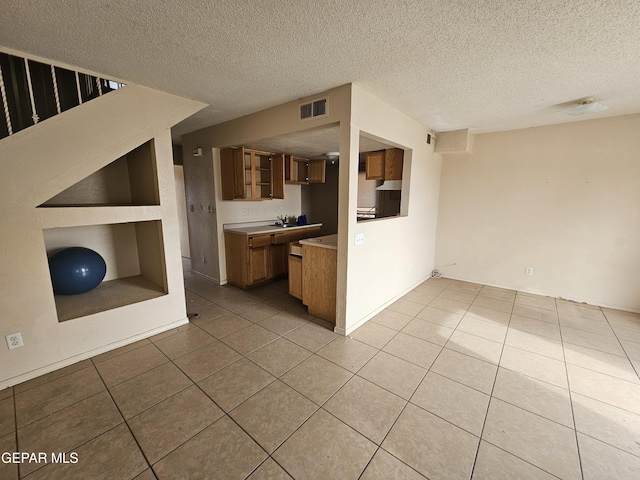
259,241
278,238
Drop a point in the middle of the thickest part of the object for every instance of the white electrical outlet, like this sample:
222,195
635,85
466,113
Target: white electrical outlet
528,271
359,238
408,269
14,340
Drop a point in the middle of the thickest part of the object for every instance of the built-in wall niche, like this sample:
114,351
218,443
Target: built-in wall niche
129,180
380,175
136,270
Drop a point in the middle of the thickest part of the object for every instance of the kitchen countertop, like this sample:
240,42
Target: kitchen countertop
328,241
256,228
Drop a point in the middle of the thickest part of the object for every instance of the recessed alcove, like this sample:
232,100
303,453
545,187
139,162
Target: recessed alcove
134,255
129,180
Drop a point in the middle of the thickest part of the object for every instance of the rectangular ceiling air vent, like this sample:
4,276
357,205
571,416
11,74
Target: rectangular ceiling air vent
313,109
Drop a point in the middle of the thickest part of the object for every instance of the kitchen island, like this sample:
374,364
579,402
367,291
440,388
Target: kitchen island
313,273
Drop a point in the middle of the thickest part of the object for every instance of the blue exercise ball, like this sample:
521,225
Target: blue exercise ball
76,270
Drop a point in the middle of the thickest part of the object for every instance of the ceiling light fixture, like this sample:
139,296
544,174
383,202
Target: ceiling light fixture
585,106
333,157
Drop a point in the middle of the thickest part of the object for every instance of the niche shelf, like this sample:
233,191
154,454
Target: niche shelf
131,180
115,211
134,255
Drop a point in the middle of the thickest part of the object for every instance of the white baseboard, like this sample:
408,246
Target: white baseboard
10,382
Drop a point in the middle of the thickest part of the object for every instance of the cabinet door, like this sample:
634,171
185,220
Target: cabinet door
236,248
317,171
374,165
393,161
251,174
258,270
232,173
277,176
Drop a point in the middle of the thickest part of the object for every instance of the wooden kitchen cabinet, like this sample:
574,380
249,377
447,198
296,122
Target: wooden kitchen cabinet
258,258
303,171
248,260
374,165
384,164
280,247
319,277
251,174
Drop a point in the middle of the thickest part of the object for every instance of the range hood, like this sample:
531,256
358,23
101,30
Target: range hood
390,185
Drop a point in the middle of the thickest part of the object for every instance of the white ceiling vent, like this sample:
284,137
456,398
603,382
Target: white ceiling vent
317,108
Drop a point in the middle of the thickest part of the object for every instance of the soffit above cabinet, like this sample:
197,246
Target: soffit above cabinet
312,143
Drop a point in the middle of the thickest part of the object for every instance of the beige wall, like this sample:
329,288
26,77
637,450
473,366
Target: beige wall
398,252
178,172
563,199
39,163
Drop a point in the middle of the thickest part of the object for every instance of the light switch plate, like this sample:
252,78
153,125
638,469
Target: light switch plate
359,239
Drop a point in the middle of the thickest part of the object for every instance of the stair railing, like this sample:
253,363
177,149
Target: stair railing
32,91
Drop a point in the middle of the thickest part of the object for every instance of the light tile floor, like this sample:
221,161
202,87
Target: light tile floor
453,381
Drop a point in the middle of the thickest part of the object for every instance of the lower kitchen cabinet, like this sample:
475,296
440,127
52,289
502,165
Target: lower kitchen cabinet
258,258
319,276
313,278
258,270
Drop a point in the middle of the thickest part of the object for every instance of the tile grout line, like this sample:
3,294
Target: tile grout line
491,397
573,414
407,402
227,414
53,379
124,420
621,345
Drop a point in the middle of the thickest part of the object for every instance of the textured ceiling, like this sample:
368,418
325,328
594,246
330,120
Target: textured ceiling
482,64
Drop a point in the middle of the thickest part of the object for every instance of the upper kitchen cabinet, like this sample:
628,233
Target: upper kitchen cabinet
303,171
384,164
251,174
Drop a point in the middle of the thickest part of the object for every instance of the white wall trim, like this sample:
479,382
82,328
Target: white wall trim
10,382
365,319
533,291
